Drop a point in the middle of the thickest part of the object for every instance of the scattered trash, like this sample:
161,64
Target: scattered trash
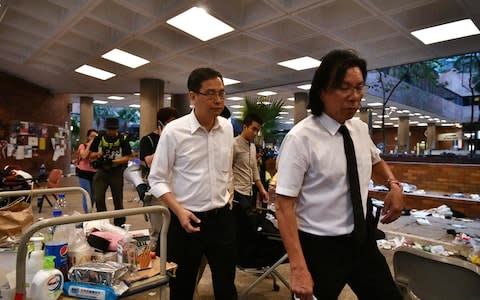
423,221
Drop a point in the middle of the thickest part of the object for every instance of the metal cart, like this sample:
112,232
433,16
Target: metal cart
160,281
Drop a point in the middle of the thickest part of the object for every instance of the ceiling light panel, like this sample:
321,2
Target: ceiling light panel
116,97
228,81
198,23
100,102
125,58
94,72
445,32
305,87
266,93
301,63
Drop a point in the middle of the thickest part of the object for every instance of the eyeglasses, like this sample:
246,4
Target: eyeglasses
211,94
347,89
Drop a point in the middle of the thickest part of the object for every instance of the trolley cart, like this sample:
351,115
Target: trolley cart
49,191
22,248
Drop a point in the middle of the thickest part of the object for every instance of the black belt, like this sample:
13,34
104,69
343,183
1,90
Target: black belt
212,212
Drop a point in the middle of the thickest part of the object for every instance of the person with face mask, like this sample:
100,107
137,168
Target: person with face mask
110,153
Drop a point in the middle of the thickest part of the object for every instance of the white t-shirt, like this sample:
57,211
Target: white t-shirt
312,166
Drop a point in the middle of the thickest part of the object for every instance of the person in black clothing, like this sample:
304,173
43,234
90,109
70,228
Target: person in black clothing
111,152
148,143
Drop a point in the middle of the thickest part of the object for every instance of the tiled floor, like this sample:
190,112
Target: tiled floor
204,291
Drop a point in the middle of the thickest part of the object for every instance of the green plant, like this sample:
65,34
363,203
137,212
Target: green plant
267,109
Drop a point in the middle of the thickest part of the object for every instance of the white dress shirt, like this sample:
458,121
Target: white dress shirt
312,166
193,163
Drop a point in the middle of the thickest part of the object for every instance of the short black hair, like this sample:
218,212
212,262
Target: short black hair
330,74
198,76
91,130
166,113
250,118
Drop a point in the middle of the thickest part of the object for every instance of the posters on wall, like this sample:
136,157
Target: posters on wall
23,140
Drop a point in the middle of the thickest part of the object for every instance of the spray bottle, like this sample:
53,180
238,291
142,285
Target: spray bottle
34,263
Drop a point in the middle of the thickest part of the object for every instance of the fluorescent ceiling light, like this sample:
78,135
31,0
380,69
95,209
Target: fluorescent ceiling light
100,102
236,106
394,119
422,124
376,126
197,22
375,104
374,114
413,122
445,32
278,117
304,87
235,98
228,81
288,122
134,105
136,94
288,106
283,113
266,93
125,58
236,112
94,72
301,63
291,99
388,123
116,97
363,99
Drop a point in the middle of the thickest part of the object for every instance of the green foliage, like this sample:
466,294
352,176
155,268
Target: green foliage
75,134
267,109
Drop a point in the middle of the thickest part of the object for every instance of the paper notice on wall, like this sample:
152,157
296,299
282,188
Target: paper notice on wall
33,141
59,151
10,150
20,153
28,151
52,140
42,143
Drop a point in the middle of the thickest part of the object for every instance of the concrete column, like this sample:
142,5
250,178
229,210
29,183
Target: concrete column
431,136
182,103
301,101
151,100
403,134
86,117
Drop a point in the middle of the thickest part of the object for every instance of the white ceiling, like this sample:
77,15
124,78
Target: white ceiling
45,41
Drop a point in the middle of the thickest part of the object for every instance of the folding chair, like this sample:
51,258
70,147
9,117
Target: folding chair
53,181
426,276
259,251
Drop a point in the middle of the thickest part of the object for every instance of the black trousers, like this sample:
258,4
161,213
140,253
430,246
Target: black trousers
245,201
216,240
112,178
334,261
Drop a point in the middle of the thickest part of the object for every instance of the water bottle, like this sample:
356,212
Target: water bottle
61,202
43,171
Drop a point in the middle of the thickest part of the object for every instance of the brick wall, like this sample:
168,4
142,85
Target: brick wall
23,101
447,178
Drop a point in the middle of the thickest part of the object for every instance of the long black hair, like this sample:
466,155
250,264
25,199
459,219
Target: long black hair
330,74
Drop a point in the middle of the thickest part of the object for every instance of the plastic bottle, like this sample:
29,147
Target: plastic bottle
127,248
43,171
57,246
34,263
47,284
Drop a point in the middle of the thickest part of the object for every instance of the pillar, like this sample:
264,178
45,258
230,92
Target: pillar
431,136
301,101
151,100
181,102
403,135
86,117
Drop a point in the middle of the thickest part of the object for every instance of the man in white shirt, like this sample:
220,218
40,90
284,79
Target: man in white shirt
322,190
245,167
191,172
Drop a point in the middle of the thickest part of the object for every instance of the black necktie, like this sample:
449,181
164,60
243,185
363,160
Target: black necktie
360,229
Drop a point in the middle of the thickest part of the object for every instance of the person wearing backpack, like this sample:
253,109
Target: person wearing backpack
84,170
111,152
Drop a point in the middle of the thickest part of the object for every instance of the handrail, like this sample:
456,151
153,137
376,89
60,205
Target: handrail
22,247
50,190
